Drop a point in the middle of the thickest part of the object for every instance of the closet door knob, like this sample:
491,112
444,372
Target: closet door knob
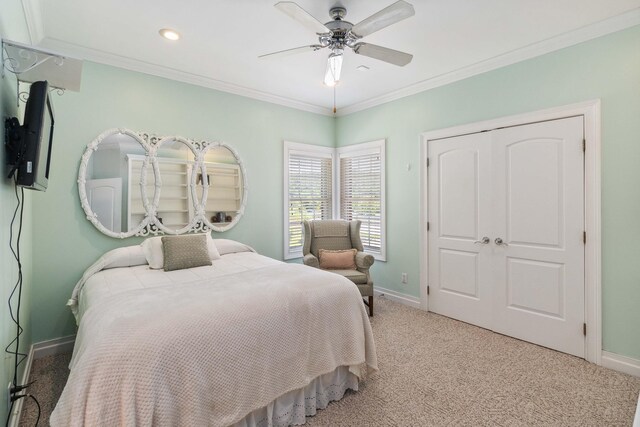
499,242
485,240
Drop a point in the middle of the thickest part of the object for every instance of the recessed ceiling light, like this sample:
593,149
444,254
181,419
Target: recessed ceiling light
362,68
169,34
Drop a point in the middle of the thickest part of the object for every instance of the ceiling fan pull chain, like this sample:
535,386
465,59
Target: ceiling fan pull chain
334,100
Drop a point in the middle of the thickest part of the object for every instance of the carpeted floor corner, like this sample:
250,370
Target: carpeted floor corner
436,371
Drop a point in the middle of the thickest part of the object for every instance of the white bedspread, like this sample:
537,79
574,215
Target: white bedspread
104,283
208,350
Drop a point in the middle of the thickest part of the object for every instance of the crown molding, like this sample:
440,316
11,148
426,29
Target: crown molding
583,34
33,17
620,22
119,61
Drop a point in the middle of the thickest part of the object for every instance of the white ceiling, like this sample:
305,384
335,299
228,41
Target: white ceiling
222,39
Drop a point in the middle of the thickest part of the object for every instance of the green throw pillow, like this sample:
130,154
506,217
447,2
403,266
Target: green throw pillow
182,252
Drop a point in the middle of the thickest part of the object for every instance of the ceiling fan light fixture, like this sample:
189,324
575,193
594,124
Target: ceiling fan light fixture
334,67
338,34
169,34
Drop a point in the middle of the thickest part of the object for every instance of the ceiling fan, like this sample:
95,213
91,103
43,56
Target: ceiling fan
336,35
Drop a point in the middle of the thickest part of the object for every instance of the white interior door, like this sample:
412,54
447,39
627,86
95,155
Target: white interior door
460,217
522,187
539,214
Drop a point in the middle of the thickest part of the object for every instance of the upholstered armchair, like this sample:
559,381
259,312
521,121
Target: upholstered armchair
339,235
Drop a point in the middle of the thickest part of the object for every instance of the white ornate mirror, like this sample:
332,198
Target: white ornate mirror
225,197
137,184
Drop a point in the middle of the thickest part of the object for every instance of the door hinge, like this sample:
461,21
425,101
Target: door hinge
584,145
584,237
427,162
584,329
428,226
427,290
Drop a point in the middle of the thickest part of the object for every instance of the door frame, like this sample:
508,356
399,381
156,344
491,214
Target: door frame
590,110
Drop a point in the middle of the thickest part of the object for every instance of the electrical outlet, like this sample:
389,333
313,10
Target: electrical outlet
405,278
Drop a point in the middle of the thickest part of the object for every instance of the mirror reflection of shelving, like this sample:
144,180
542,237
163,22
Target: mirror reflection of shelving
224,194
176,207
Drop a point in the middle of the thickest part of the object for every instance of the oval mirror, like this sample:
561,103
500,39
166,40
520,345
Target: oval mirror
109,182
224,186
138,184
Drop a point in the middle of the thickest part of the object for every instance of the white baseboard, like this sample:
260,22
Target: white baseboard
405,299
620,363
14,419
55,346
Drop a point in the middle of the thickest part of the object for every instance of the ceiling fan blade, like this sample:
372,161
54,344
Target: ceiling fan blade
302,16
383,54
293,51
389,15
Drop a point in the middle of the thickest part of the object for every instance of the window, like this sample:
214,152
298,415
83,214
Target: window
308,191
362,183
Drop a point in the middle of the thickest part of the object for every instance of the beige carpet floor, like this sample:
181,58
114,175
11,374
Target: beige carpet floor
435,371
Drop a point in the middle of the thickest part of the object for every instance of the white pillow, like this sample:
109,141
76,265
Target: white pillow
226,246
126,256
152,248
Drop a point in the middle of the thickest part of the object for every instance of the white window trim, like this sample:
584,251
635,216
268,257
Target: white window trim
305,150
377,146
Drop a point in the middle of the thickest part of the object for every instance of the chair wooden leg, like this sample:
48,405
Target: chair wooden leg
371,306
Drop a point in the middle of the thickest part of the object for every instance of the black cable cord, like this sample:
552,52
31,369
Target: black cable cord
18,356
38,405
18,327
22,396
9,414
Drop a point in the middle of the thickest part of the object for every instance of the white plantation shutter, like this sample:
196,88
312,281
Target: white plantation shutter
308,190
309,193
362,192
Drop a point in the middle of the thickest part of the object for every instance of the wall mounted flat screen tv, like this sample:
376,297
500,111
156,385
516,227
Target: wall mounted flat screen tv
29,145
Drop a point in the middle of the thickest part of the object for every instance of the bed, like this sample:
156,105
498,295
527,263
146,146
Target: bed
247,341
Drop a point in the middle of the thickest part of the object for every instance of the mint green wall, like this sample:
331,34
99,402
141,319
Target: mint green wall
607,68
12,27
66,243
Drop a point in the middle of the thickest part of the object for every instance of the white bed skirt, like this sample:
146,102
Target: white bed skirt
293,407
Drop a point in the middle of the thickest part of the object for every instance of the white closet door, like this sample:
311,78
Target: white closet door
523,188
539,214
459,216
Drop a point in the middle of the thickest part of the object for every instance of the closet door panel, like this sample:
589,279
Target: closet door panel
459,273
539,212
536,287
534,205
458,193
459,267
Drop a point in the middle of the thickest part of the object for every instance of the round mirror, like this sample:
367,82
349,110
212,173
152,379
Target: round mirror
112,170
175,160
224,186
